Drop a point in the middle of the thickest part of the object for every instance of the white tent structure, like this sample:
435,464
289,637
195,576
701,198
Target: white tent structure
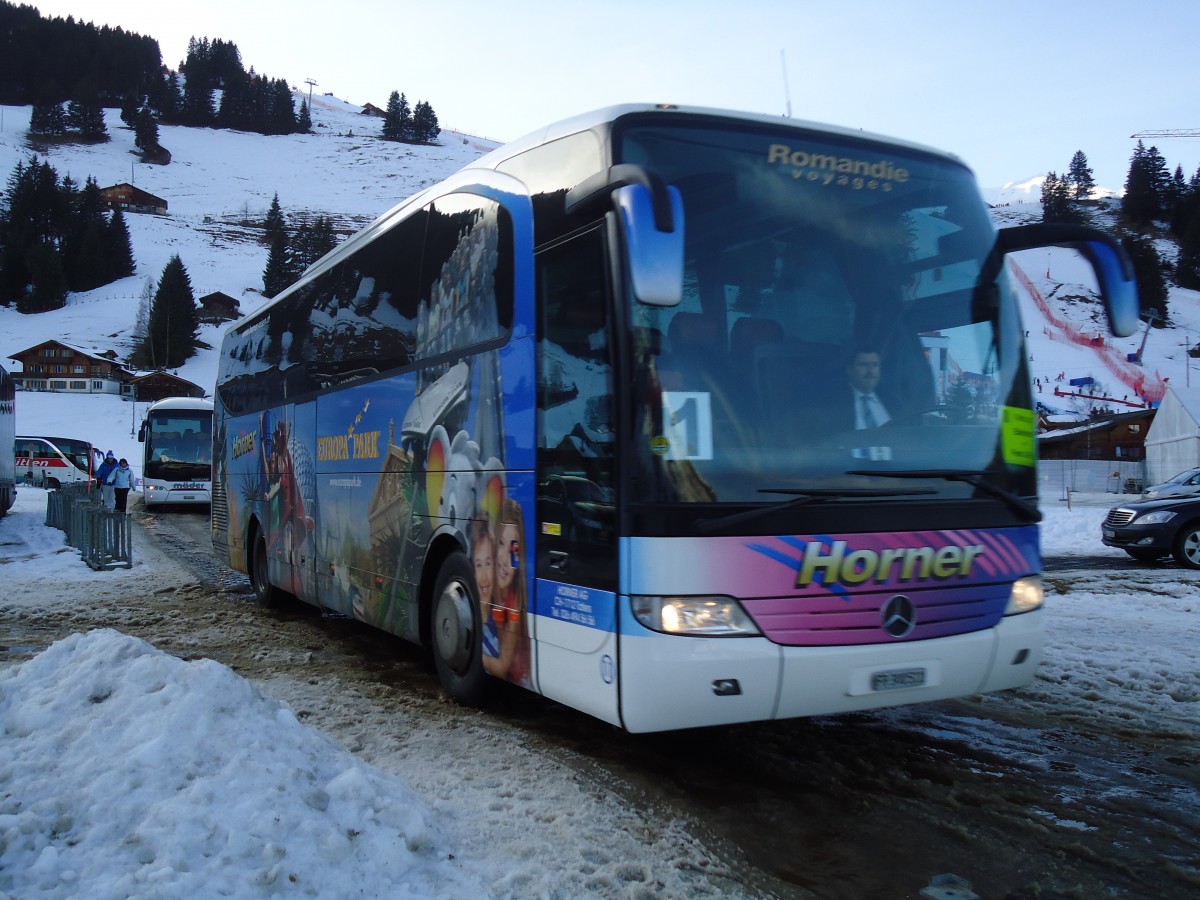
1173,440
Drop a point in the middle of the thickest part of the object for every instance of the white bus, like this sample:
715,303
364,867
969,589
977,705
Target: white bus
176,438
51,462
569,419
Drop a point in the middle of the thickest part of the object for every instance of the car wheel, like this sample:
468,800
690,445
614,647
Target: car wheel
265,593
456,636
1146,556
1187,546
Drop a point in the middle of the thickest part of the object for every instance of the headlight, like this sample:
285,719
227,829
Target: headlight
1026,596
1155,518
704,616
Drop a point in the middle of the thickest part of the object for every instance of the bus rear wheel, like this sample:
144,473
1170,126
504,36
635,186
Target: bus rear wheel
455,633
265,594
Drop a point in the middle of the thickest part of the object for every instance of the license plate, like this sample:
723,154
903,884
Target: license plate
189,496
1109,533
894,681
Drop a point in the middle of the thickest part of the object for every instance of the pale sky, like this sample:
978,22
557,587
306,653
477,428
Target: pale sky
1014,88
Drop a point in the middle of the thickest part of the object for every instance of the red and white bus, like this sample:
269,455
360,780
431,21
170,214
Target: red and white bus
53,461
569,419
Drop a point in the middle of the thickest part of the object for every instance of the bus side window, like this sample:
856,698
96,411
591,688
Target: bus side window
576,489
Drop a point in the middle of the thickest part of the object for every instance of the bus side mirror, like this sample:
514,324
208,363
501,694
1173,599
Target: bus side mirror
1111,264
142,433
650,214
655,256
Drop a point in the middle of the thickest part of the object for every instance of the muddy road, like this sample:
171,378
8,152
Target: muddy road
1019,794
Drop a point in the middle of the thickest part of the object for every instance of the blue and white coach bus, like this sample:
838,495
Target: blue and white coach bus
573,418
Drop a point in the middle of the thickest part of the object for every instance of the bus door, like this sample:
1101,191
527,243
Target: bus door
575,603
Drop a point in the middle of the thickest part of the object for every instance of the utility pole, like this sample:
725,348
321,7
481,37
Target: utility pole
787,91
310,84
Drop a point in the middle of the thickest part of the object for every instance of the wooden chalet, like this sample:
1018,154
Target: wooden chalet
1118,437
158,385
55,366
129,198
218,307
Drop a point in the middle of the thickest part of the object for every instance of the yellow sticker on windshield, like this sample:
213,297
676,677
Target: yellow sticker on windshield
1017,441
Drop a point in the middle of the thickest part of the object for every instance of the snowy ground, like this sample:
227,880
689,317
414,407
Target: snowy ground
125,771
128,772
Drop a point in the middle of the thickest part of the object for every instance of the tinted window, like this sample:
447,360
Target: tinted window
433,285
466,281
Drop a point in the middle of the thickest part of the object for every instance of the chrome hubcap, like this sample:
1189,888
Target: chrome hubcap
452,627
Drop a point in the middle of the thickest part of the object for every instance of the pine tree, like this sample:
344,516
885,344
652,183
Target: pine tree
1187,269
1056,200
274,225
166,98
47,119
304,120
119,248
236,109
85,254
47,279
174,323
85,114
277,275
1080,177
141,321
146,132
1148,272
397,119
1187,209
198,82
425,124
1145,186
129,109
283,110
15,231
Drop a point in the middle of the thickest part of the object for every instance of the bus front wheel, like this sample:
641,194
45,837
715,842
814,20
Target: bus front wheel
265,593
456,637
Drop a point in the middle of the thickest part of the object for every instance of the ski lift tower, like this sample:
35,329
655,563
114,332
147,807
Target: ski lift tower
1136,358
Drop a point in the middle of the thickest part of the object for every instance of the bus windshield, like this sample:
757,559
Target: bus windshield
843,318
179,445
76,451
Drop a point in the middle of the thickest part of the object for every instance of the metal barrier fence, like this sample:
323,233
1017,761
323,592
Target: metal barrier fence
104,537
1059,477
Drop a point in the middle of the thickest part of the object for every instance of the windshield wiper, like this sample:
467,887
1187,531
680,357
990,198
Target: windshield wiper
802,497
1018,504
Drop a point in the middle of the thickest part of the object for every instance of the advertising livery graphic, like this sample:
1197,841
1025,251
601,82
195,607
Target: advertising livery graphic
350,488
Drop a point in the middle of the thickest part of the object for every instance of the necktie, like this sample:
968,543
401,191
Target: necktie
868,417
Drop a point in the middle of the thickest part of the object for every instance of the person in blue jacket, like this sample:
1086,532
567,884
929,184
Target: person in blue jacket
107,494
121,480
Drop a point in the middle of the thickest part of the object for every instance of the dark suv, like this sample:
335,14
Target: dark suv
1150,529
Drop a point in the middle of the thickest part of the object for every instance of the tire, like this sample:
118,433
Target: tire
1146,556
1187,546
455,637
265,594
